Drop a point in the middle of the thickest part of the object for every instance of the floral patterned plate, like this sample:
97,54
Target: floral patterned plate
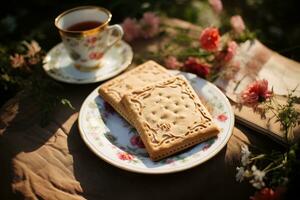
59,65
111,138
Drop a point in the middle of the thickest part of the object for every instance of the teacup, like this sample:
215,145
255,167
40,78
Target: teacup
86,35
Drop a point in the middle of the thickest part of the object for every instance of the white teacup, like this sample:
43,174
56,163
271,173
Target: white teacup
86,35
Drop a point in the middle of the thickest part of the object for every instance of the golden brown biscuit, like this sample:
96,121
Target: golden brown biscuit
169,117
147,73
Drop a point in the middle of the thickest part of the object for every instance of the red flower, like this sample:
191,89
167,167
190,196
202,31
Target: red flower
195,65
95,55
268,194
125,156
228,53
209,39
222,118
255,93
136,141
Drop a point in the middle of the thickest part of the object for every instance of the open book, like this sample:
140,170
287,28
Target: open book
259,62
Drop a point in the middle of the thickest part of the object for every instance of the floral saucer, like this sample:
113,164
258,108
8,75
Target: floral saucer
59,65
111,138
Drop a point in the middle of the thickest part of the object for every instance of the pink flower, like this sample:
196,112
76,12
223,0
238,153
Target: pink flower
125,156
136,141
150,25
222,117
209,39
171,62
268,194
228,53
195,65
32,48
17,60
237,24
216,5
132,29
147,27
95,55
255,93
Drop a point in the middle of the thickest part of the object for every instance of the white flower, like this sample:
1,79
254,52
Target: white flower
245,155
258,174
258,177
257,184
240,174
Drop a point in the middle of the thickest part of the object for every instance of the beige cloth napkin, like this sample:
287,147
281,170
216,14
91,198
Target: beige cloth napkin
259,62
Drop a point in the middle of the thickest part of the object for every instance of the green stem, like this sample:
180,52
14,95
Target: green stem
274,168
267,167
258,157
238,83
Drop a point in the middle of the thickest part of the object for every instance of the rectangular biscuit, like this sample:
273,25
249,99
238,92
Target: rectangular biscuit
169,117
113,90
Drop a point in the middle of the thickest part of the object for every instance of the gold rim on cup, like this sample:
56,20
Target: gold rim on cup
85,32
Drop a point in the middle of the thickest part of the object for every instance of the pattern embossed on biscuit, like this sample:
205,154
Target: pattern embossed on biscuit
118,86
161,134
162,154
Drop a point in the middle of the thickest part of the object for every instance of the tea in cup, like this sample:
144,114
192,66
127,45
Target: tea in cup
87,35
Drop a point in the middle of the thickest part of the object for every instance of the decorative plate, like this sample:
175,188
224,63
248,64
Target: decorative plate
111,138
59,65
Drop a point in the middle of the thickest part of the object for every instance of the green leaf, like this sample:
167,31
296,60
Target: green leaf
67,103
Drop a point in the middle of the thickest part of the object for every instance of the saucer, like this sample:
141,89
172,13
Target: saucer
58,64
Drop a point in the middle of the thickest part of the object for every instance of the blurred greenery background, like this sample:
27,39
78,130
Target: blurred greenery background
275,22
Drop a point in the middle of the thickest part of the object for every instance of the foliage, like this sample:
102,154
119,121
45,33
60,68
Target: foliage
276,23
262,100
270,172
23,71
20,23
199,53
286,114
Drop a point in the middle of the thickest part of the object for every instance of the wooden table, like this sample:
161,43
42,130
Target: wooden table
53,162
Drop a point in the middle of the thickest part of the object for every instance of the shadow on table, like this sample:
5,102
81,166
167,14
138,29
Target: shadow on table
22,140
214,179
19,133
